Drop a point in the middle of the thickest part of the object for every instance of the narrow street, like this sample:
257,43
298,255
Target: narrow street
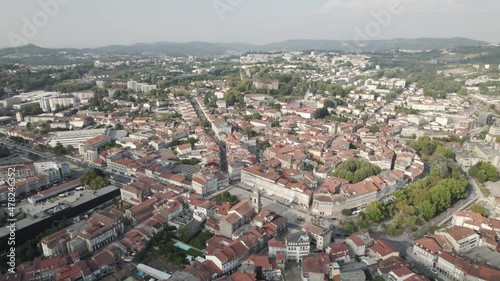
222,146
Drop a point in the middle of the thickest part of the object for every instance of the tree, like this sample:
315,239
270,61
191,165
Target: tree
263,145
479,209
483,172
276,106
374,128
4,151
444,151
70,149
427,210
34,156
204,123
118,126
349,227
356,170
98,183
191,141
321,113
346,212
183,235
94,179
393,231
376,211
249,132
59,149
329,104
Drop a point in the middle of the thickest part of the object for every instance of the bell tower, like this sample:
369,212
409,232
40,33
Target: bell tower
257,201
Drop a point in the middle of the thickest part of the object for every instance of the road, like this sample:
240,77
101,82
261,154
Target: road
222,146
77,166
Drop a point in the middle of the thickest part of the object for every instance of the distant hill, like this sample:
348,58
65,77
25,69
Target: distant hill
28,49
168,48
10,55
373,45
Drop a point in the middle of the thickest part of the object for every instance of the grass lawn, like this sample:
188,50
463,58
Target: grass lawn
194,253
486,192
200,240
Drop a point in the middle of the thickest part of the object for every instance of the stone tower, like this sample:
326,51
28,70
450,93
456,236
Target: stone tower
257,201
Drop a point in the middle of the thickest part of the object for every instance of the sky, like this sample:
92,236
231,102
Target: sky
94,23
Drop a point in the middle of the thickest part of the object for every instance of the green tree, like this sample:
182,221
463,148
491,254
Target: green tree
321,113
329,103
59,149
118,126
376,211
70,149
356,170
4,151
479,209
427,210
98,183
374,128
346,212
446,152
204,123
483,172
393,231
183,235
349,227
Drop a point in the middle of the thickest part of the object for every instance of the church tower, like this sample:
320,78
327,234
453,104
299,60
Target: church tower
257,201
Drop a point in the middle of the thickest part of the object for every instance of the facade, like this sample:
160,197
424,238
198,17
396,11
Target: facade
204,183
455,267
340,252
273,184
51,103
297,245
461,238
74,138
426,251
56,171
89,148
318,266
320,237
359,242
85,237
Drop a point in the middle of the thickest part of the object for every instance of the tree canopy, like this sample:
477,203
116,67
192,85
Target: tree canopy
94,179
484,172
480,209
356,170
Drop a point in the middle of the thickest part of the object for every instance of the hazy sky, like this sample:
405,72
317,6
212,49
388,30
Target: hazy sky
91,23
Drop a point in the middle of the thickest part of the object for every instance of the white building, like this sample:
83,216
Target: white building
51,103
74,138
461,238
297,245
60,169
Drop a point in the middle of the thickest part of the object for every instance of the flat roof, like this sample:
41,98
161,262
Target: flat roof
483,253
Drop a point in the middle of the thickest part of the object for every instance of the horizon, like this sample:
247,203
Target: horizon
92,24
253,44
